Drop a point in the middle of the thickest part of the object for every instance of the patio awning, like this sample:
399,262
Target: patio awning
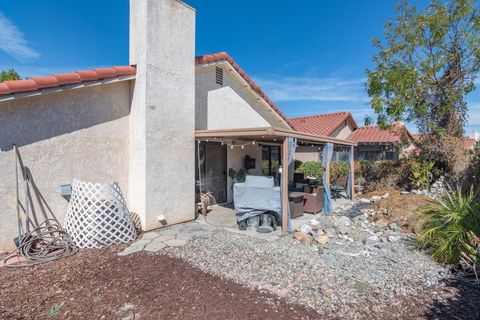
269,134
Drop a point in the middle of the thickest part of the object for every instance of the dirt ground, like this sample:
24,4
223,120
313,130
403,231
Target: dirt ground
102,285
401,209
97,284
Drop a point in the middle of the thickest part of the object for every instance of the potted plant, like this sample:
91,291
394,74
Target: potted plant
237,176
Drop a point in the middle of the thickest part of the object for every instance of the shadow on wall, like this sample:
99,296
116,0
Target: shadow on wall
33,210
29,120
463,302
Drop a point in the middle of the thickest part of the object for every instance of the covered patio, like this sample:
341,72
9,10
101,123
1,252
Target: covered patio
220,151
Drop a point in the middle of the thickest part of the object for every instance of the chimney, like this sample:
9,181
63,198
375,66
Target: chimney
162,118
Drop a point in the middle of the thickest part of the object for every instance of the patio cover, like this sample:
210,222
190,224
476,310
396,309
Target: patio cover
278,135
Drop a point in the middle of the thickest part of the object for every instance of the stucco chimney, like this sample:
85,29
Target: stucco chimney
162,118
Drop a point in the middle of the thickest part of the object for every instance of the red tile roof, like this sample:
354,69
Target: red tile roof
60,79
322,124
223,56
374,134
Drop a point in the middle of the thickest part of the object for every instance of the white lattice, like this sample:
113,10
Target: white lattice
97,215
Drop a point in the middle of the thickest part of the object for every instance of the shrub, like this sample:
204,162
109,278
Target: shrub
421,175
452,228
339,168
311,169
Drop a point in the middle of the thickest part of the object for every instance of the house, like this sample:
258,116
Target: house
375,143
337,125
156,126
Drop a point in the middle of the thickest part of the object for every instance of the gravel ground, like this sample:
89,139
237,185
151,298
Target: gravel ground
345,277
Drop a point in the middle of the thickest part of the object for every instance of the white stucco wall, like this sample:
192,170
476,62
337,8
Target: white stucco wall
81,133
231,105
162,153
235,160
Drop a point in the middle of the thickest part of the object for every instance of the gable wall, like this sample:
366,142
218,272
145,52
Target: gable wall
228,106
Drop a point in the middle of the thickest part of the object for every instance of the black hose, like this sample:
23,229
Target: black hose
48,242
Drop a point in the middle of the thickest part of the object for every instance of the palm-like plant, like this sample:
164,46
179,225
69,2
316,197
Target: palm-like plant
452,228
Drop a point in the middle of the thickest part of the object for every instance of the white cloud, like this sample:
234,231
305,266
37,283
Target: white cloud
326,89
12,41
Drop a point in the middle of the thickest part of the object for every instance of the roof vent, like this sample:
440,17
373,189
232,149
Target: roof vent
219,76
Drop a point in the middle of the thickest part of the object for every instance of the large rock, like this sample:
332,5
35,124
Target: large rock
321,239
303,237
372,240
393,238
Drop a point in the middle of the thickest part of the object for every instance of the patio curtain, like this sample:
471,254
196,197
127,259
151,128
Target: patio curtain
327,195
292,147
350,177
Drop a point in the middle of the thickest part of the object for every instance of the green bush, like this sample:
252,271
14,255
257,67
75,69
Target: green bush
311,169
421,175
452,228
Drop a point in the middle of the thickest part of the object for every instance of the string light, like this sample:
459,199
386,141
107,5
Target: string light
232,145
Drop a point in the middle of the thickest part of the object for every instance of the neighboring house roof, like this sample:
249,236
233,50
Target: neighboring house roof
224,57
374,134
322,124
468,142
63,79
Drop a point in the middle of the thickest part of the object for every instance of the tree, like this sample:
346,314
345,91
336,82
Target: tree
9,75
427,66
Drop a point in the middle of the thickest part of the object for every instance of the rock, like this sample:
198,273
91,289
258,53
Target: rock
321,239
393,226
314,223
342,221
330,231
371,241
364,200
386,195
303,237
393,238
404,193
342,230
305,228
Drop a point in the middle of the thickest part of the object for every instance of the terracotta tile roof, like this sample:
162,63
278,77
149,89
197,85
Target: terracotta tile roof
374,134
468,142
60,79
223,56
322,124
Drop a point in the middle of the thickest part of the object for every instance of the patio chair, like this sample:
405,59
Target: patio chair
339,185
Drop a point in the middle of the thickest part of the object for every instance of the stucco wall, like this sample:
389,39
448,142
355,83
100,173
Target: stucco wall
235,160
228,106
307,153
80,134
162,166
342,132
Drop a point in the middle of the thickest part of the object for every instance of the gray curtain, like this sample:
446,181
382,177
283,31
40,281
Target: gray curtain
350,177
327,195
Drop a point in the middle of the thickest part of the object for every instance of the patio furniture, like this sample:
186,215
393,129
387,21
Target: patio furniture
339,185
255,196
313,202
296,204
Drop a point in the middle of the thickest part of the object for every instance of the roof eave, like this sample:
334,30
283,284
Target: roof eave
21,95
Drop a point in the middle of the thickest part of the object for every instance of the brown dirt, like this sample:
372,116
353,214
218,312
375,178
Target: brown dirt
103,285
401,209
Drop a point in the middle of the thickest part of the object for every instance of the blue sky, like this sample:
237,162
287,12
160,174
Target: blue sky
308,58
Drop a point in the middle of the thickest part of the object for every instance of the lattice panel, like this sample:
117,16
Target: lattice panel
97,215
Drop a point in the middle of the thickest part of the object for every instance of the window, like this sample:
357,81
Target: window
219,76
271,162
